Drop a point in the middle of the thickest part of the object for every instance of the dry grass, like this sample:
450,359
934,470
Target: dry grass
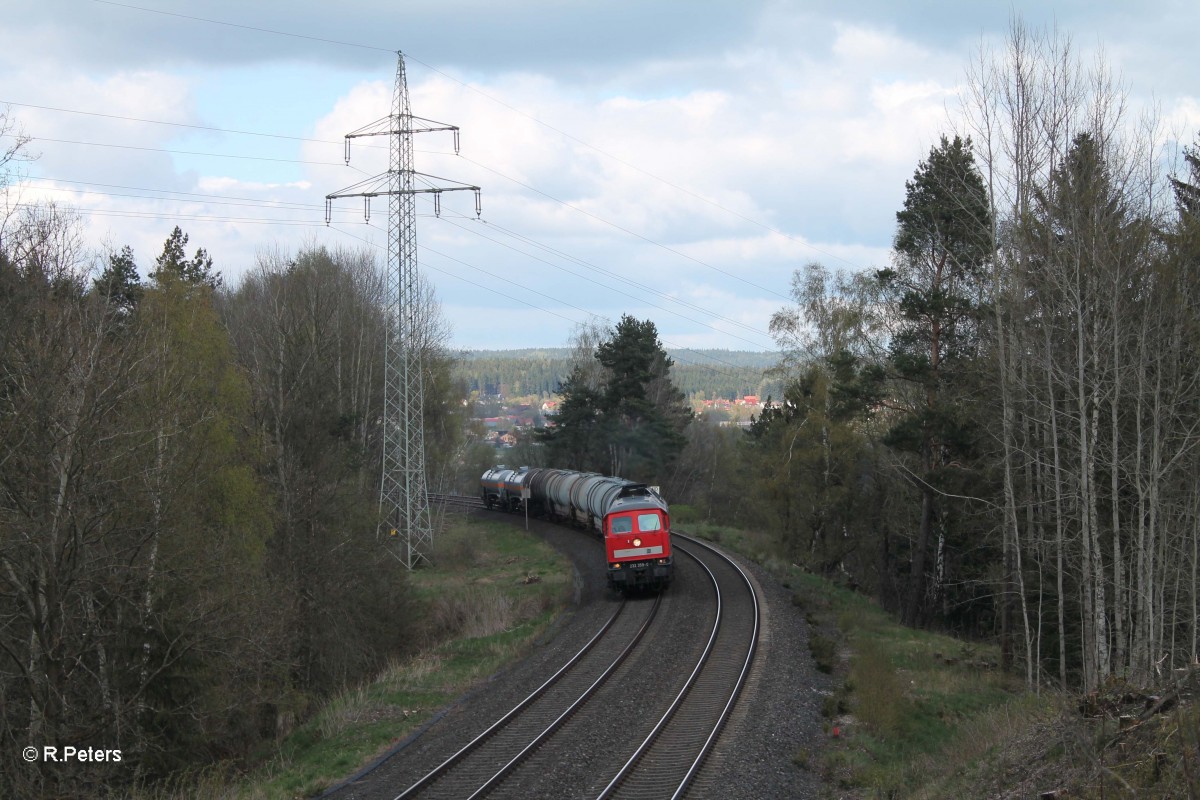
343,711
996,749
473,611
410,673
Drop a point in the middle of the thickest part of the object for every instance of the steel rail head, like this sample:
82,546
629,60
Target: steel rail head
737,689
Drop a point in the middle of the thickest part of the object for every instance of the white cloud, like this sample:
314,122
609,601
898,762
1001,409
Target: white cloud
661,160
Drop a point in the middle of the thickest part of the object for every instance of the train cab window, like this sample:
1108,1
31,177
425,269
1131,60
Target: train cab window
621,525
649,522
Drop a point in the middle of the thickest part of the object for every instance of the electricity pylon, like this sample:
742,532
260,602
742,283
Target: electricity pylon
403,498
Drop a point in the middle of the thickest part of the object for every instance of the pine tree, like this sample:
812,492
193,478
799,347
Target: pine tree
574,440
174,264
626,419
119,283
1187,190
942,251
643,411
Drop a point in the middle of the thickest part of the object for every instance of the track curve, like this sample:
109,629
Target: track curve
486,761
665,763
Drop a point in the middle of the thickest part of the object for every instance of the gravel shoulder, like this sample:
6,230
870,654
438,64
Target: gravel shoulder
779,712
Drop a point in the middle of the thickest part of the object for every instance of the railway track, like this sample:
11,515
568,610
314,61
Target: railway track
463,502
656,754
485,762
669,758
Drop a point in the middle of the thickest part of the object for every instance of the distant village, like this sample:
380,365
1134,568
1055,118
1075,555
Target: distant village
505,421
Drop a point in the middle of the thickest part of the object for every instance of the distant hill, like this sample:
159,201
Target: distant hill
539,371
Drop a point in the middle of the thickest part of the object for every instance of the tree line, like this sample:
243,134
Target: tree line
708,374
188,499
997,433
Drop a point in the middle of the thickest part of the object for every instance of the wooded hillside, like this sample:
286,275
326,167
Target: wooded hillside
725,374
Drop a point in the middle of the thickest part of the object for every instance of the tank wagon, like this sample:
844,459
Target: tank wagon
501,487
632,518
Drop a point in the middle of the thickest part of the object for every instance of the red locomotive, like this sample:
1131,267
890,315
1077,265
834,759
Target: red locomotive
632,518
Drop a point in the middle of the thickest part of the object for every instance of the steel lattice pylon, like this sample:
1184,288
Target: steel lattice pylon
403,497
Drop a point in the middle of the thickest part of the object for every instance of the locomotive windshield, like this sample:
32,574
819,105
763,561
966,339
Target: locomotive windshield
649,522
622,525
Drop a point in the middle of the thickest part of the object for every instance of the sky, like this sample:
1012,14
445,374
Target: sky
675,161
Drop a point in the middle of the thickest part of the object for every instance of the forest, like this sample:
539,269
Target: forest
996,433
707,374
189,476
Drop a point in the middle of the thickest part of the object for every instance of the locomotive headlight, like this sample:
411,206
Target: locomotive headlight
637,542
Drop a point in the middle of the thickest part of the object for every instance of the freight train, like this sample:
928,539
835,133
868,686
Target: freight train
631,518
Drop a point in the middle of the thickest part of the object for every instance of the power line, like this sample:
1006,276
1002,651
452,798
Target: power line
548,196
612,289
90,212
369,243
634,167
515,110
245,27
615,276
182,152
530,188
504,279
628,232
170,124
189,197
524,185
251,202
508,280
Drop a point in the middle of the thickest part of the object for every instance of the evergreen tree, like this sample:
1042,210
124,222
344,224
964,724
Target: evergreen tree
1187,190
574,437
644,413
632,424
937,285
119,283
174,264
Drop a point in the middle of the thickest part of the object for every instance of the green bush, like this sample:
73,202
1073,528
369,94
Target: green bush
823,650
685,514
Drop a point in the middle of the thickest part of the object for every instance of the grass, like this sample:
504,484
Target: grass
911,695
913,706
494,591
923,716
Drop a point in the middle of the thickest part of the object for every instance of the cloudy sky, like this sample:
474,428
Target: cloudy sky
671,160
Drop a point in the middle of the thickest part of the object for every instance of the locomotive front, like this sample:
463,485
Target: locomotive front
637,539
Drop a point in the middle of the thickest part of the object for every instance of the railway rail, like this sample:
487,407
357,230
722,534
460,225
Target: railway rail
669,758
481,765
464,502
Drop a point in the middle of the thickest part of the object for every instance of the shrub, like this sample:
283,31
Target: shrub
823,651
